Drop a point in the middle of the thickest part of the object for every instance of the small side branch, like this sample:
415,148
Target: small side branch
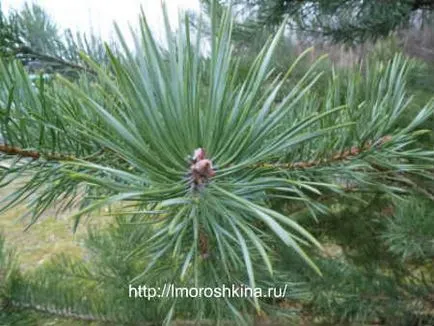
28,52
341,156
58,312
13,150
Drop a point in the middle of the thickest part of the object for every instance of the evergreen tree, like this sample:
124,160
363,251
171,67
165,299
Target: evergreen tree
351,21
31,36
220,171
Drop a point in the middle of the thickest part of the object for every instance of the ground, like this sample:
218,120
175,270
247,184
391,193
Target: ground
50,235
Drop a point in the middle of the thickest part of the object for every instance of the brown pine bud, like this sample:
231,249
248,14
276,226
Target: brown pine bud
199,154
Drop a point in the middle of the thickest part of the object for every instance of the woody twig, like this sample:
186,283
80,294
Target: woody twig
35,155
341,156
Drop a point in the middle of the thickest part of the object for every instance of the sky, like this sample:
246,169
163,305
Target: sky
98,15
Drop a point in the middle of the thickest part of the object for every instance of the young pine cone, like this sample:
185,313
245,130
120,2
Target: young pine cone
202,168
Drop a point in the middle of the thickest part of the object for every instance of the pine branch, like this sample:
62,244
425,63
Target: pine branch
67,313
338,157
25,50
405,179
12,150
58,312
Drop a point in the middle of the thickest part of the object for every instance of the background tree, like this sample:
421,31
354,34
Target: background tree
31,36
350,21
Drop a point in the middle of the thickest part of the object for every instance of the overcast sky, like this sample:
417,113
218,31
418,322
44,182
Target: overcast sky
99,15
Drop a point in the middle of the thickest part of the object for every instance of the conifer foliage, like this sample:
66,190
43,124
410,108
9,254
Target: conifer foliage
349,21
31,36
213,179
